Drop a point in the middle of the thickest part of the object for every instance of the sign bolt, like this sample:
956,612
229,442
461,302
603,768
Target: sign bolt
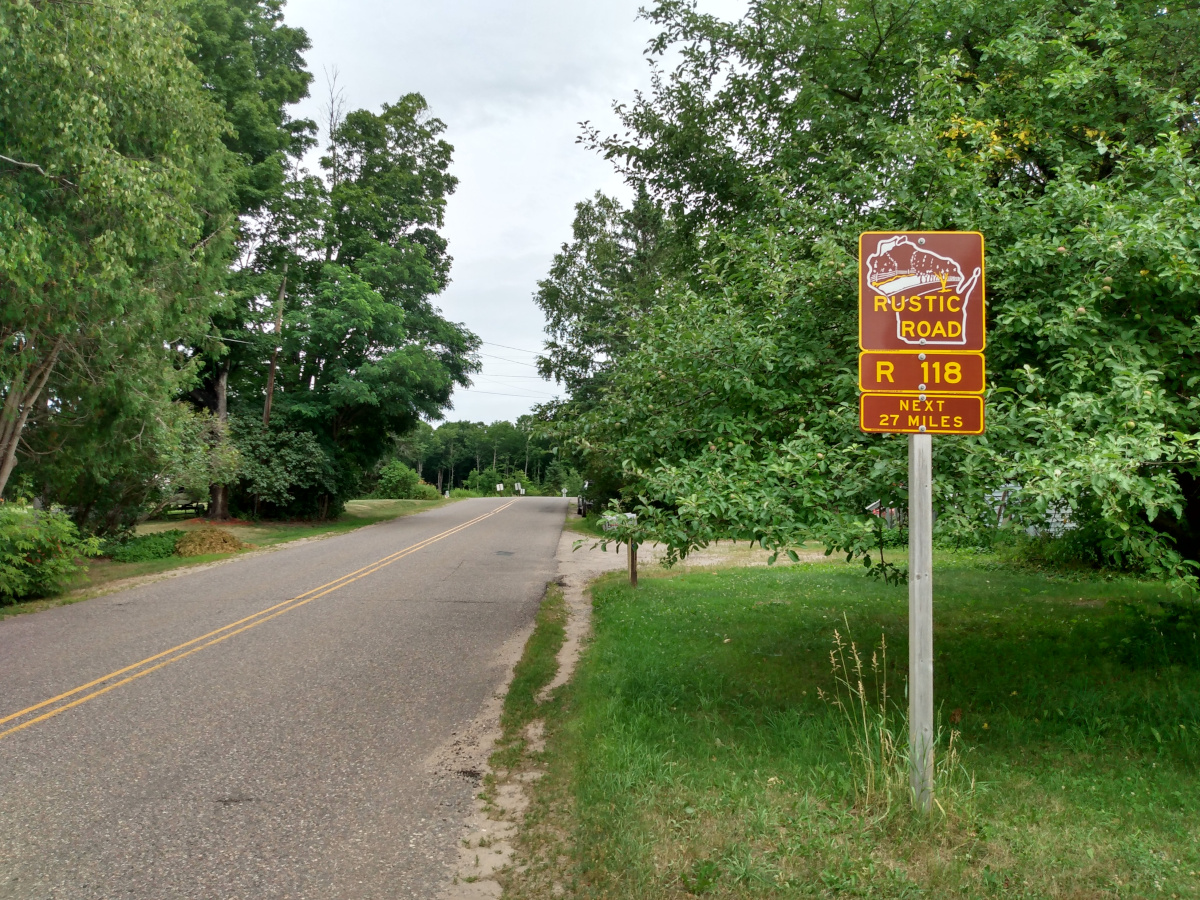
922,427
922,342
920,356
921,387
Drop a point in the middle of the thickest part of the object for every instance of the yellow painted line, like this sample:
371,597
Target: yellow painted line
261,616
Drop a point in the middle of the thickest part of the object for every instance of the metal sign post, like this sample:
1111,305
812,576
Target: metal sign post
921,372
920,618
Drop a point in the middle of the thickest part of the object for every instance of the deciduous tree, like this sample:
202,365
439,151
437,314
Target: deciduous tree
1066,133
115,212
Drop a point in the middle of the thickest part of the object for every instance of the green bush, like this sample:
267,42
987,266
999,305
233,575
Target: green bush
425,491
483,482
286,474
1076,548
144,548
463,494
398,482
38,551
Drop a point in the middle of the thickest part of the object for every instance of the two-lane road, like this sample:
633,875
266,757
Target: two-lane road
261,729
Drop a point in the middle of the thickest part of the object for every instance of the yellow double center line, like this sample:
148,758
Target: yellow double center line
184,650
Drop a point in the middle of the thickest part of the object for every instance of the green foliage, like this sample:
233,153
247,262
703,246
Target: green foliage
560,475
38,551
598,285
455,449
253,66
425,491
281,473
1065,133
115,216
159,545
363,355
398,482
135,457
463,494
484,483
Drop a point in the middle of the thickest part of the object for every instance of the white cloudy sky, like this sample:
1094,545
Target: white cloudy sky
512,80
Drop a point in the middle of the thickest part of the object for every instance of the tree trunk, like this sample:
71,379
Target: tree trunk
218,503
275,351
18,402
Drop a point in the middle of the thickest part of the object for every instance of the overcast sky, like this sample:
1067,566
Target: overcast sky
512,79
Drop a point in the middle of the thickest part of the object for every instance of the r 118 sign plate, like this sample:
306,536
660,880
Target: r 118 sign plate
908,414
911,372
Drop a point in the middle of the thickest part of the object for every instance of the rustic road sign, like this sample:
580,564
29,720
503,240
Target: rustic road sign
921,290
921,329
914,372
921,413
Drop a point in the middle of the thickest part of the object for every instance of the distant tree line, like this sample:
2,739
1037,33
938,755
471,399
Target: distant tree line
187,315
459,454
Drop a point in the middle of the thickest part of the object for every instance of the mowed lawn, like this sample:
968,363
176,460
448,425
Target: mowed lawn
693,754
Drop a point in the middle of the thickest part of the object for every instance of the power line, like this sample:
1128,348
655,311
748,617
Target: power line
498,394
515,362
506,347
538,393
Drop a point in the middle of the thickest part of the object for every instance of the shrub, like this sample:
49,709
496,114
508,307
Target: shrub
145,547
398,482
38,551
426,492
463,493
284,474
484,482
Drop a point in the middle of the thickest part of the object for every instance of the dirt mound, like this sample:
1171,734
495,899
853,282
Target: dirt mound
204,541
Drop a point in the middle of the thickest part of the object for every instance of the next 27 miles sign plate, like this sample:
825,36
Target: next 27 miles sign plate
922,332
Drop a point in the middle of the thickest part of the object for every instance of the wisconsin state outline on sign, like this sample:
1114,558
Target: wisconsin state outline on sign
928,285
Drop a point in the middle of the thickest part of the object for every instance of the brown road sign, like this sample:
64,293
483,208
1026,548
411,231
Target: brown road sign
921,413
921,290
913,371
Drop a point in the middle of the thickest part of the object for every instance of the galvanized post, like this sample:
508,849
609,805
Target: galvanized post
920,619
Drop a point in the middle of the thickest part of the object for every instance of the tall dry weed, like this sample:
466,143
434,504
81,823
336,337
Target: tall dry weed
873,731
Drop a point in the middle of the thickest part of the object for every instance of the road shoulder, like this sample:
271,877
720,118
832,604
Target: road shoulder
509,763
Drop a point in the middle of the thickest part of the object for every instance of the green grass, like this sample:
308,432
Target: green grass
581,525
536,668
102,573
693,755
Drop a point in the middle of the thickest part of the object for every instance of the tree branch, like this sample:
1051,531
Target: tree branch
26,165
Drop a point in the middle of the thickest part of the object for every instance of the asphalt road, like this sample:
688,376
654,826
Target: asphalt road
285,756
